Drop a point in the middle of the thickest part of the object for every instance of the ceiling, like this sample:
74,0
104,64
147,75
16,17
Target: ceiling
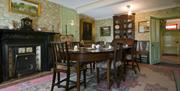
100,9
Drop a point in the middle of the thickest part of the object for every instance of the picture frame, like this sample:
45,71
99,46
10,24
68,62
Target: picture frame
105,31
28,7
87,34
143,26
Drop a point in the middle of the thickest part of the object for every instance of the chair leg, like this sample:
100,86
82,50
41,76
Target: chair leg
84,77
137,65
123,73
53,81
58,78
67,81
94,64
91,68
133,66
97,74
108,75
140,58
124,68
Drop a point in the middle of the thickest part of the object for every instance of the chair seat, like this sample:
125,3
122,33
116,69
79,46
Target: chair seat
63,67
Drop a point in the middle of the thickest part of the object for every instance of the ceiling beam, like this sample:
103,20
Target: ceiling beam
99,4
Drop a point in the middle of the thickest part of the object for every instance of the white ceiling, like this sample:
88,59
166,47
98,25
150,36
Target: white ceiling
100,9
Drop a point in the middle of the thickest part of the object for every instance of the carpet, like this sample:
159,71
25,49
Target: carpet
150,78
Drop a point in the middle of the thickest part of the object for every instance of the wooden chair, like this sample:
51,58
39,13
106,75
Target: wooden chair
118,63
143,51
116,67
131,53
62,64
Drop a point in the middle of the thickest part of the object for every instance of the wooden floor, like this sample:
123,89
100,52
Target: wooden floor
172,59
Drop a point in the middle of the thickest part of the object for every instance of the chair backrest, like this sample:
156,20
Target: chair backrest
115,41
118,54
59,53
142,46
131,52
130,42
118,50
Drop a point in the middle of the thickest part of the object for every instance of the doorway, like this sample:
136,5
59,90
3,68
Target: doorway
170,41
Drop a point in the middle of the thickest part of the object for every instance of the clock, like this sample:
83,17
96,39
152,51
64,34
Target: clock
26,24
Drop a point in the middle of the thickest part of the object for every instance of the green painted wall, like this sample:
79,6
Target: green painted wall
101,23
53,18
67,15
165,13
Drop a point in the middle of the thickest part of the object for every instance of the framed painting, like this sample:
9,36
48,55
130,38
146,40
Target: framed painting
105,31
143,26
87,31
29,7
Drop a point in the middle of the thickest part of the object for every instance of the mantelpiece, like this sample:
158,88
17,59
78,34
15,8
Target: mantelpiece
12,41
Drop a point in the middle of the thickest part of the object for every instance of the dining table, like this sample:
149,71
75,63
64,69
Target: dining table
84,55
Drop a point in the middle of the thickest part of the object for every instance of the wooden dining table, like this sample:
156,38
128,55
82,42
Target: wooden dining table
87,55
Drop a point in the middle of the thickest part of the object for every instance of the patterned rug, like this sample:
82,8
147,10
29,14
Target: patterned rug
150,78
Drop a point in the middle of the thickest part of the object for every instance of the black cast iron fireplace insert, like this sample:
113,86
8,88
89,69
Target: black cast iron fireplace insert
25,60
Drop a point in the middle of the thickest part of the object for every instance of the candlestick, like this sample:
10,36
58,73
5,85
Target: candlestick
66,29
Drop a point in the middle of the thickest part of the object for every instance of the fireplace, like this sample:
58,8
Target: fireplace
23,53
23,59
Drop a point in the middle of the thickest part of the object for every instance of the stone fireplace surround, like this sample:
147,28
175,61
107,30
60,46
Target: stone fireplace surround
23,45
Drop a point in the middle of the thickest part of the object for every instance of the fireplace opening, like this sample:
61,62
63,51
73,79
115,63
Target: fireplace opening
24,59
25,64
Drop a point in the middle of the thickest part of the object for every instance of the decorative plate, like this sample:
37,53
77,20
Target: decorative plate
116,26
129,31
117,37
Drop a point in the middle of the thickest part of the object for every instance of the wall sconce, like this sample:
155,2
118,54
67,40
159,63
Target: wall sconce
129,10
71,23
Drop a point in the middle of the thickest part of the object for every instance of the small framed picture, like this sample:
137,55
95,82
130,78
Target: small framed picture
143,26
105,31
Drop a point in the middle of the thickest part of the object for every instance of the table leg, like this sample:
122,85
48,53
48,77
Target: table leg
108,73
78,76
